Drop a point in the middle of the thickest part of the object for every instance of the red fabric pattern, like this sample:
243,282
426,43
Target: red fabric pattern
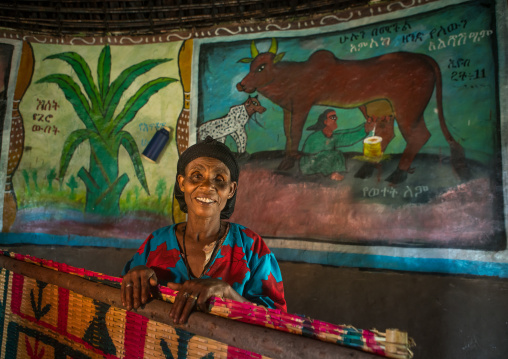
231,267
258,246
141,249
163,258
275,291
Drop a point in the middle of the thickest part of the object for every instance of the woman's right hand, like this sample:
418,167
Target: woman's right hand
137,287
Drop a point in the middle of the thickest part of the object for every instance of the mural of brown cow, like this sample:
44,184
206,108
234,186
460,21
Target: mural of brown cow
399,83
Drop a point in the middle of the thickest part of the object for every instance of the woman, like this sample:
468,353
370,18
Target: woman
204,256
321,149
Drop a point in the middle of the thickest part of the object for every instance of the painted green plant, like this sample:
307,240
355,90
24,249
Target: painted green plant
34,177
26,177
72,184
160,189
51,177
97,109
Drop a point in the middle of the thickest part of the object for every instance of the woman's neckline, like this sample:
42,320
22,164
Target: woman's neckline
216,245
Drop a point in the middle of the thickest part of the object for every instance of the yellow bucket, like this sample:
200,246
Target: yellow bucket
372,147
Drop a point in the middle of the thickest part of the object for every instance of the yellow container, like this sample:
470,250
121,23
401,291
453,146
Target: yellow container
372,147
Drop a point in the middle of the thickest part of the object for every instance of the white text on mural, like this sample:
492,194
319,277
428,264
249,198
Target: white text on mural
391,192
149,127
441,37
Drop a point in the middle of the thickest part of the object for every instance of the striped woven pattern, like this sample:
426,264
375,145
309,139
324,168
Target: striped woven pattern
39,320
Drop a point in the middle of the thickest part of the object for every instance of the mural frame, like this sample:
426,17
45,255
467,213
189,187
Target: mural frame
492,262
7,121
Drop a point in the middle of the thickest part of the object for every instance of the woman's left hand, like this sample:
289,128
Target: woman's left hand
196,292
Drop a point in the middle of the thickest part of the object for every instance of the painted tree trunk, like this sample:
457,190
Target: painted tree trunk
103,186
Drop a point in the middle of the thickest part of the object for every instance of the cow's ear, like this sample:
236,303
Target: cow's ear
246,60
278,57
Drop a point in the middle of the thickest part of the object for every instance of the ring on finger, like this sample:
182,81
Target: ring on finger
186,295
193,297
128,285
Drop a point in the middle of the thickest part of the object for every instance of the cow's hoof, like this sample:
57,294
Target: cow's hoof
365,171
286,164
398,176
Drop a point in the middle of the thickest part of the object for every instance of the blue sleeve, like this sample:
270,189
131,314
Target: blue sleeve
140,257
265,285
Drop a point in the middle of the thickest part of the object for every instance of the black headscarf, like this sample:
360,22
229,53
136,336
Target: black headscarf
208,148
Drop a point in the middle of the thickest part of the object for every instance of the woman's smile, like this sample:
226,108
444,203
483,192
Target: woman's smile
205,200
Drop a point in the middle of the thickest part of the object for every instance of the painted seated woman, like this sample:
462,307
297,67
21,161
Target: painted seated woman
322,152
205,256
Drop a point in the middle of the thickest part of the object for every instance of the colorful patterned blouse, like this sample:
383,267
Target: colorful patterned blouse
244,261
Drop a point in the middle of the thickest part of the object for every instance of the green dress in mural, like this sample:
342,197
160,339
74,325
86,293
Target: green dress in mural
323,155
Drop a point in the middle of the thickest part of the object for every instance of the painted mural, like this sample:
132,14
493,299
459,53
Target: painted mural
368,137
88,113
379,133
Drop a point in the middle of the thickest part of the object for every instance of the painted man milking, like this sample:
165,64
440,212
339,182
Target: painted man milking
205,256
322,149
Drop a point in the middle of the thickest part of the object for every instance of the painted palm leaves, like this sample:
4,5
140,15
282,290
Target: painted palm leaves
97,109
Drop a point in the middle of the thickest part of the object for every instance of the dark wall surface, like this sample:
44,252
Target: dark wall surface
447,316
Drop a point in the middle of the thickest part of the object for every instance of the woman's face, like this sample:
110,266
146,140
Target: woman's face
331,120
207,186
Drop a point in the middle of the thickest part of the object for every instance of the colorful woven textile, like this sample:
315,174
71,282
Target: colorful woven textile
41,320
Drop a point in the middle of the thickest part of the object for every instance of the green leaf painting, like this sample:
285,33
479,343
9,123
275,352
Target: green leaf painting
96,105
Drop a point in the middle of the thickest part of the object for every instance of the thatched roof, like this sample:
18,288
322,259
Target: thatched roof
134,17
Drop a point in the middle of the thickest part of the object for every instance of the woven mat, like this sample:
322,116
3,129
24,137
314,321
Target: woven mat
40,320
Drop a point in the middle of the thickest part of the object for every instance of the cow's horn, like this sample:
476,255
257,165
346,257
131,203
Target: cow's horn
253,49
273,46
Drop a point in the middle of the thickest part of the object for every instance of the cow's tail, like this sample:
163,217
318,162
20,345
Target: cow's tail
458,157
